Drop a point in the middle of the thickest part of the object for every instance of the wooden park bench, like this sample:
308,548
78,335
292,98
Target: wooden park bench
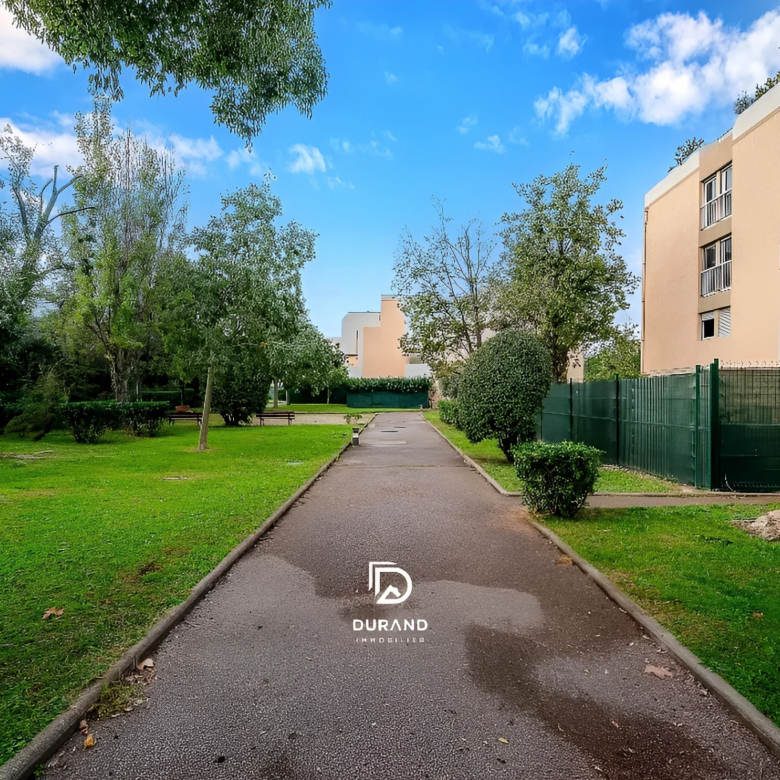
177,415
276,414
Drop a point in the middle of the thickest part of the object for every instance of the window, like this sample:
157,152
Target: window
725,179
708,325
716,198
716,267
725,250
724,323
711,189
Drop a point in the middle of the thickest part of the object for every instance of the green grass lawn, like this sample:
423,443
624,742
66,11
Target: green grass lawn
112,534
716,588
341,409
490,457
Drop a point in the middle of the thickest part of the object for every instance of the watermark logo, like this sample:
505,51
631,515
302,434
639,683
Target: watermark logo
391,595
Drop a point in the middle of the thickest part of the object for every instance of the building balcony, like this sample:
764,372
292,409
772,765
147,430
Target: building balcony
715,280
716,210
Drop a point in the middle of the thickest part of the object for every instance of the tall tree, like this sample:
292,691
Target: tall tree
563,277
256,56
29,253
242,292
307,360
129,220
620,356
446,293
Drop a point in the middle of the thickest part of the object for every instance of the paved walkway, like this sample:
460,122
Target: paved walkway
527,670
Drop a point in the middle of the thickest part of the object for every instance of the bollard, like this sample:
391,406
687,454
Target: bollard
355,437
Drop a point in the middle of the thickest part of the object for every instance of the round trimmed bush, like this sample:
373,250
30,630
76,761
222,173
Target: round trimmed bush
502,388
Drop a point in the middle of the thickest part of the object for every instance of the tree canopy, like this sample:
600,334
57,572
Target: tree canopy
445,291
255,56
561,275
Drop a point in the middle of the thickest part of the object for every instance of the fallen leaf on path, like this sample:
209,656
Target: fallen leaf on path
503,741
52,611
147,663
89,742
84,727
565,560
659,671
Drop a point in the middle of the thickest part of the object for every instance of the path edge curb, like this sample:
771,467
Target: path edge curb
744,711
46,742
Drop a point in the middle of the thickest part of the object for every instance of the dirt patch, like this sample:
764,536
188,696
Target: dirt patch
765,527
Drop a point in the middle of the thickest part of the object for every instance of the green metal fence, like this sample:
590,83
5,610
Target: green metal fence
711,428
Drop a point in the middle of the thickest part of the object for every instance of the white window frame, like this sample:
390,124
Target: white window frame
707,316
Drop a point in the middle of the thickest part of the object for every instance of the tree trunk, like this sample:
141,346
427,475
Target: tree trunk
276,395
328,397
120,377
204,426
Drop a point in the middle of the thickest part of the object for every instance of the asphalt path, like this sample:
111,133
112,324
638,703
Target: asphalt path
508,662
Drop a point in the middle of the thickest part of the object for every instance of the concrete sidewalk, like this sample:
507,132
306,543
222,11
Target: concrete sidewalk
527,670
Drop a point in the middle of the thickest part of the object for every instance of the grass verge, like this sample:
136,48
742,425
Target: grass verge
716,588
116,533
489,456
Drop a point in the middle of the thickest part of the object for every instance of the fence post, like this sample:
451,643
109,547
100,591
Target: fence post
617,419
714,425
697,481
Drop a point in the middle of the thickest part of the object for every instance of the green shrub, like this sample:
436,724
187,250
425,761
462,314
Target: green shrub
502,388
448,412
143,416
240,389
557,478
391,384
89,420
35,421
9,410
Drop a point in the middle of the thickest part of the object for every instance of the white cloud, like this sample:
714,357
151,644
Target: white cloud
244,156
390,137
375,148
536,49
480,39
693,63
20,51
382,32
192,154
570,43
342,145
467,123
493,144
334,182
308,159
515,137
390,78
53,145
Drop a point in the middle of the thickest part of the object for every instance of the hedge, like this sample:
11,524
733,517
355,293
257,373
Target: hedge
392,384
89,420
557,478
448,412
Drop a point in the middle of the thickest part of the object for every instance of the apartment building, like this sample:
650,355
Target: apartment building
711,273
371,342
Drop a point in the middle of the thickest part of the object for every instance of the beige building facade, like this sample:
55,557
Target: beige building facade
711,271
371,342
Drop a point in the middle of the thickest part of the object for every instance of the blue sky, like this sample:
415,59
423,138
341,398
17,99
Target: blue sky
455,99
